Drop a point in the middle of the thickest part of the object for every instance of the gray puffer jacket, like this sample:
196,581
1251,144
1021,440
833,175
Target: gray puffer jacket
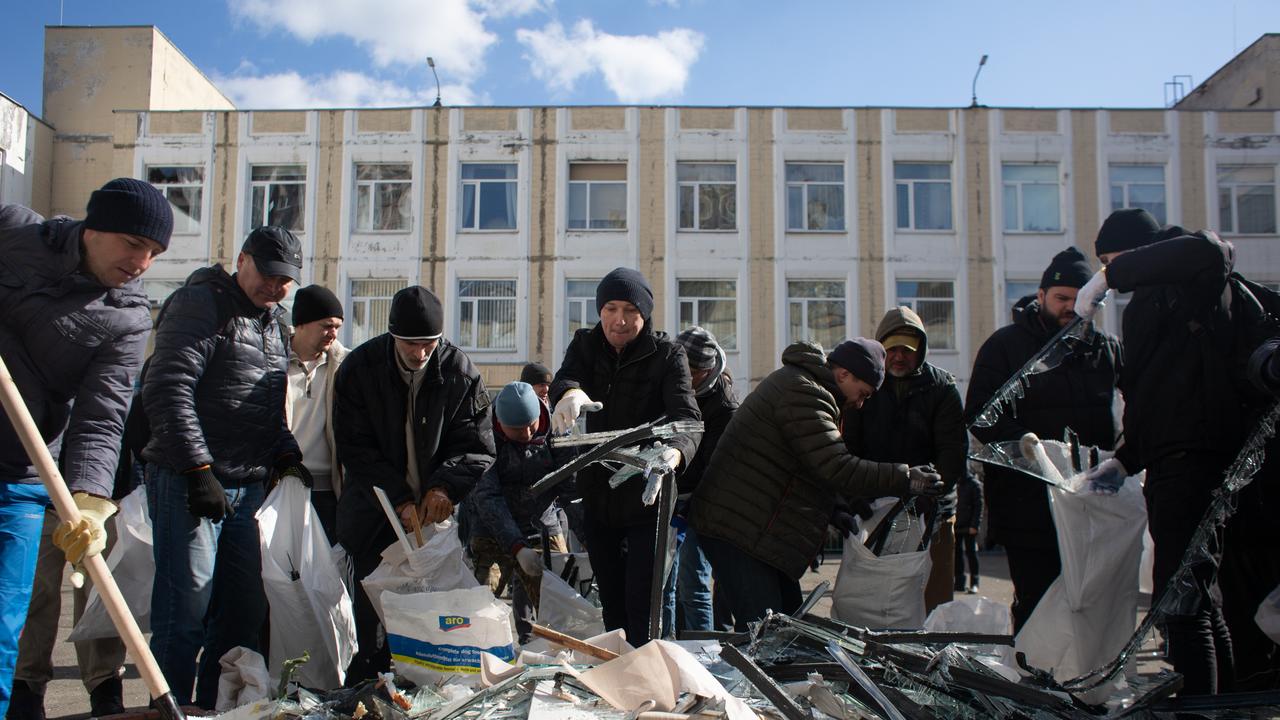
776,473
214,388
73,347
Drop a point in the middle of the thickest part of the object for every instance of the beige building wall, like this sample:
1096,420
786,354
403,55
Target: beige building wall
26,145
1251,80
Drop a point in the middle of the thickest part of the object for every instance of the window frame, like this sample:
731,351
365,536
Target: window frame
1126,185
254,185
164,189
470,344
697,196
1019,184
913,303
587,301
373,194
696,303
911,197
358,303
804,186
843,299
1235,199
589,186
478,184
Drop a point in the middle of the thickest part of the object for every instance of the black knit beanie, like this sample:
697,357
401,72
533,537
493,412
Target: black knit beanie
863,357
132,207
315,302
535,374
416,314
1068,268
627,285
1126,229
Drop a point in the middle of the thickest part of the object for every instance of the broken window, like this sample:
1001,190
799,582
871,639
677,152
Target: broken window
384,200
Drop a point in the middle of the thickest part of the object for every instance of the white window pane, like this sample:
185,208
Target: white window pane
467,217
1040,208
795,207
364,207
902,199
497,206
582,288
279,173
608,206
717,207
577,206
1149,198
933,206
1037,173
795,321
1257,209
1224,210
1247,174
714,172
488,171
826,322
1117,197
939,323
720,317
687,195
1010,207
815,172
1015,290
921,171
826,207
1137,173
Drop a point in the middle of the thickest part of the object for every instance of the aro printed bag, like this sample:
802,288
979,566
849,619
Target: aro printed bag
434,635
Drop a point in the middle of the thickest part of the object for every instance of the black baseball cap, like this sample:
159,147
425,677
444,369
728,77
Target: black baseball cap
275,251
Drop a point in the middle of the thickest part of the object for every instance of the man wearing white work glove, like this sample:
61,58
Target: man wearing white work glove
1092,295
530,561
640,376
571,405
1107,477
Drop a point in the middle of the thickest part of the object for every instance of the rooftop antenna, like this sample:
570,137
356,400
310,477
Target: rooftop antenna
981,62
431,63
1175,89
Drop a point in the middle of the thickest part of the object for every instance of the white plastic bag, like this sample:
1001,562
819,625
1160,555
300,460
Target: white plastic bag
434,635
243,679
885,591
436,566
133,564
1268,615
560,607
307,594
1089,612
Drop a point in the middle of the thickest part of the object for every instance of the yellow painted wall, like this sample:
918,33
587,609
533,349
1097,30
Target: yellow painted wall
764,358
871,250
981,261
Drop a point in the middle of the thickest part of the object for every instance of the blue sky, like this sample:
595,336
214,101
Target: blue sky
317,53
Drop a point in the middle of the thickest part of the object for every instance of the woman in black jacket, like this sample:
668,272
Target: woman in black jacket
639,376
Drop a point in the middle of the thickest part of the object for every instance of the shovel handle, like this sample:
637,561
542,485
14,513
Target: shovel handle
126,625
573,643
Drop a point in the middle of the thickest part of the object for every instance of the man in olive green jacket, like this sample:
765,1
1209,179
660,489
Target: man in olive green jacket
762,507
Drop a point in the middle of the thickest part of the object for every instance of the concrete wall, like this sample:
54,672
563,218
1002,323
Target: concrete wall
26,152
1251,80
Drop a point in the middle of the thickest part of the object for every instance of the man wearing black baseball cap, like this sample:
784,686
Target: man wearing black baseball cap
215,394
411,416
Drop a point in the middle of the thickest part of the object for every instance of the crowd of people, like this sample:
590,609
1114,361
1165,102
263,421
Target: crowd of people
238,393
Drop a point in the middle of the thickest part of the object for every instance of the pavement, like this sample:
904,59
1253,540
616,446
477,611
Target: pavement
67,698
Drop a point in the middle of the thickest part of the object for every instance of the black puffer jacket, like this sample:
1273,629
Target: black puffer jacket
1078,394
717,406
780,465
501,506
215,385
1179,392
649,380
915,419
73,347
969,502
454,435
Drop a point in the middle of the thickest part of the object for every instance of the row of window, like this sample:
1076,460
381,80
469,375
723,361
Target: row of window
487,310
707,196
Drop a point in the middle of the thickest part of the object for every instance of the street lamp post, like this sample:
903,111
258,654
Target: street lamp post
981,62
431,63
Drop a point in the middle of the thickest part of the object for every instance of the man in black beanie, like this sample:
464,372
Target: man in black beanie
411,416
74,322
762,507
314,357
1188,410
1079,394
540,377
630,374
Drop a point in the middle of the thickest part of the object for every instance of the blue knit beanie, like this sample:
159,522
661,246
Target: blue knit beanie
517,405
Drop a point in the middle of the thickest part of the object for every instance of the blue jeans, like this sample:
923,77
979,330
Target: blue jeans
689,587
208,588
21,519
751,587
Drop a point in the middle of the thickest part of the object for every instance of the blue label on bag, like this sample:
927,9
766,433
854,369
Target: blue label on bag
443,658
454,622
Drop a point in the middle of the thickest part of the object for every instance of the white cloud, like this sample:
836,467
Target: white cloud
636,68
395,32
337,90
668,3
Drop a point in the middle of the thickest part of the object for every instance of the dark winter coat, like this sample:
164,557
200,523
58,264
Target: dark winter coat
501,506
781,464
454,435
73,347
968,502
717,406
1179,392
1079,394
214,387
647,381
917,419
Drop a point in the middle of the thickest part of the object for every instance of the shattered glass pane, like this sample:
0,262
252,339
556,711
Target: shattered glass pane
1068,340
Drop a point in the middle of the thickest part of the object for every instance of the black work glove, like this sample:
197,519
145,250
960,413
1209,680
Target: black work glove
846,523
205,496
289,464
924,480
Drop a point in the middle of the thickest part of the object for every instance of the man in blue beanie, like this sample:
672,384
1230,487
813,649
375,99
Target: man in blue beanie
73,329
502,515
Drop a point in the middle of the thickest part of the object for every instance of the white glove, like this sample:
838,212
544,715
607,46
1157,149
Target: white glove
672,458
1107,478
530,561
571,405
1092,295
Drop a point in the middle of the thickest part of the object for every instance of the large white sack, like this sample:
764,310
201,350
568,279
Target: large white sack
132,563
306,591
436,566
1268,615
885,591
435,635
560,607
